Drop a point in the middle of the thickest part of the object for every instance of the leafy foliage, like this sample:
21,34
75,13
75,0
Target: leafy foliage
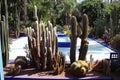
115,15
94,8
58,11
115,42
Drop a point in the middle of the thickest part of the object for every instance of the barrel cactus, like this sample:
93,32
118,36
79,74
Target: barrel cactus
79,68
22,61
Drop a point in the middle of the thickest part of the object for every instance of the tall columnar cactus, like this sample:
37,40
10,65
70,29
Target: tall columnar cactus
43,47
3,41
73,38
7,32
37,38
54,40
5,47
4,32
17,22
49,51
31,45
58,64
34,42
44,51
84,43
35,13
38,53
50,28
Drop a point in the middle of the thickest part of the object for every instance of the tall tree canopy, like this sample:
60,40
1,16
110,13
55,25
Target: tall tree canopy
94,8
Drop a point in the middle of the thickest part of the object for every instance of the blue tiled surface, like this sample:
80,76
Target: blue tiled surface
40,78
61,44
28,78
1,64
106,45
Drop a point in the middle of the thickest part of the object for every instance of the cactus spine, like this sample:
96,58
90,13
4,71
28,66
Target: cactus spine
84,43
73,38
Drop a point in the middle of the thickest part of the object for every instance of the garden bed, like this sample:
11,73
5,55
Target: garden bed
33,73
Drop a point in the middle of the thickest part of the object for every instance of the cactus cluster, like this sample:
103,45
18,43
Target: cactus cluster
79,68
42,42
77,32
4,33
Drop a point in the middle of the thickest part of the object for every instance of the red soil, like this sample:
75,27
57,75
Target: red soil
32,72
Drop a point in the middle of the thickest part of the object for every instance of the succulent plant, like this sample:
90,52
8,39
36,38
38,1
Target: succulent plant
115,42
4,33
73,38
59,63
84,43
79,68
43,46
22,61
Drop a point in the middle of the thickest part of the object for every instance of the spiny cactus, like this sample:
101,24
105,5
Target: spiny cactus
2,37
17,22
42,37
85,26
43,51
84,43
30,44
37,38
54,41
38,53
49,51
79,68
22,61
6,33
43,46
34,42
58,63
73,38
5,40
14,70
35,17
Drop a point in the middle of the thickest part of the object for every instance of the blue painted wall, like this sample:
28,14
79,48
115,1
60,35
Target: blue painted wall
1,63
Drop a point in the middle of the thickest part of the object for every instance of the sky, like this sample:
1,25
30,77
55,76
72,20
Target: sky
79,1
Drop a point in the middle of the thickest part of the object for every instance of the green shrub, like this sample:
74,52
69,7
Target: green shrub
115,42
66,30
